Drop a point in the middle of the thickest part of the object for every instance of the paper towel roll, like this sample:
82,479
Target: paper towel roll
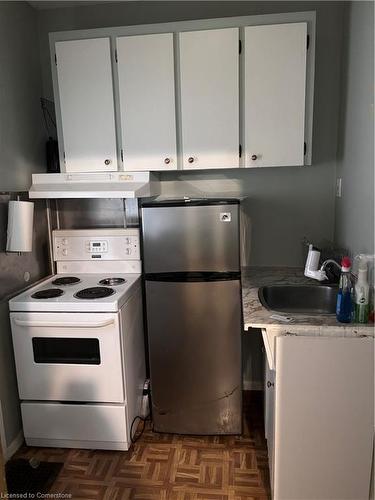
20,226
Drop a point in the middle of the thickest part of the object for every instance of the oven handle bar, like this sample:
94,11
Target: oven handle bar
99,324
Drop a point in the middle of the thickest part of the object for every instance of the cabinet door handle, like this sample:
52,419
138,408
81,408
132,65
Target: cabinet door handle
167,161
254,157
270,384
107,161
190,159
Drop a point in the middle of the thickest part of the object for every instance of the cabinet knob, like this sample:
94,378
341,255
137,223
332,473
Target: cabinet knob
254,157
190,159
270,384
107,161
167,161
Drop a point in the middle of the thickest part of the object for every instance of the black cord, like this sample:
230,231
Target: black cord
44,104
144,420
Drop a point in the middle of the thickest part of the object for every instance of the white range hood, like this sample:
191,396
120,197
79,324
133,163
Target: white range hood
95,185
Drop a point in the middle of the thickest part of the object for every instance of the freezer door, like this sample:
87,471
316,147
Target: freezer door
194,334
190,238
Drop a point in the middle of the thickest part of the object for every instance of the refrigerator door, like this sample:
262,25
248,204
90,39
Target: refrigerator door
194,334
191,236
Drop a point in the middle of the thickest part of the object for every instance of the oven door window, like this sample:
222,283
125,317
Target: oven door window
63,350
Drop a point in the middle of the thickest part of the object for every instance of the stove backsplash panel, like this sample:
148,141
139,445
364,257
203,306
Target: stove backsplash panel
33,266
90,213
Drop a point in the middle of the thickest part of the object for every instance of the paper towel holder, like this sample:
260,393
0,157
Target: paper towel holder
20,226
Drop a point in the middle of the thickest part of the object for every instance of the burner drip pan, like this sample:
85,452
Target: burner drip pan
112,281
66,280
95,292
49,293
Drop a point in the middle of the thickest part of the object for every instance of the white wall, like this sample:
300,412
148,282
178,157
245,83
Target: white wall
354,226
21,128
284,204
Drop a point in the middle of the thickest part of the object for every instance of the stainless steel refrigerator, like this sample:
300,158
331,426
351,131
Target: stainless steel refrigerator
194,316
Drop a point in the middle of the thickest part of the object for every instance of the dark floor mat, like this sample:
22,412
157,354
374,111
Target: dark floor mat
23,478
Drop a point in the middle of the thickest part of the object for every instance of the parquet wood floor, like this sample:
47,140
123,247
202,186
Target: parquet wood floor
170,467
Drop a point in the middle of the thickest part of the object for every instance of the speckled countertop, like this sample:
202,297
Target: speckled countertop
257,316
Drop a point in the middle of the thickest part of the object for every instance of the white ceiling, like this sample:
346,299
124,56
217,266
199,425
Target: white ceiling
43,4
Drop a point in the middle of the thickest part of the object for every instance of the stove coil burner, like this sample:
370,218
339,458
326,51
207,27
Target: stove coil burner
49,293
66,280
95,292
112,281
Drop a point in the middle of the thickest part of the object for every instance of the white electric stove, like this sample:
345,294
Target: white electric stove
78,293
78,343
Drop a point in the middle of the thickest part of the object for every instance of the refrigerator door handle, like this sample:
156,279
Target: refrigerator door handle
190,277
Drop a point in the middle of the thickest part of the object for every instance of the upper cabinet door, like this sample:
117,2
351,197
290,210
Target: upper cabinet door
85,88
147,101
210,98
274,91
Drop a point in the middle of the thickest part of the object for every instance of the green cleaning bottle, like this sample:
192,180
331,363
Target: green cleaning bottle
361,295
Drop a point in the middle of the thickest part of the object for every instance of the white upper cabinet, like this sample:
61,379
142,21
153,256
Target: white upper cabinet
147,101
274,94
209,98
85,91
188,99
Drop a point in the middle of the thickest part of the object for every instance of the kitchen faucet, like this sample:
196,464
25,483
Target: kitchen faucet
329,261
321,274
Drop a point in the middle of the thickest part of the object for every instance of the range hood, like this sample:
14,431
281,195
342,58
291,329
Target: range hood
95,185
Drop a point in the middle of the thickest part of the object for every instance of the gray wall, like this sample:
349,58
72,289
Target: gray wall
12,270
21,128
21,153
284,204
354,225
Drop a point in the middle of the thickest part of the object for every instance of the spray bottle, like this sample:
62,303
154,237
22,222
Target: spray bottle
362,292
363,270
344,296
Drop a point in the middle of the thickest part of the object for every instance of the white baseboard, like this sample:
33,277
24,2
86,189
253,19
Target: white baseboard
252,385
14,446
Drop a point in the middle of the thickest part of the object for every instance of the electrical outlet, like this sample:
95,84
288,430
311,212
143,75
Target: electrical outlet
338,187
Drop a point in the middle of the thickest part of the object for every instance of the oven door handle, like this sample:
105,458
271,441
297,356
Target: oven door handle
56,324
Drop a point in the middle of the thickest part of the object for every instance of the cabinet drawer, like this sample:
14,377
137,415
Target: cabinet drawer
77,424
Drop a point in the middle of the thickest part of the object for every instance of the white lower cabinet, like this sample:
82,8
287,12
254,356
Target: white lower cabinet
319,417
269,415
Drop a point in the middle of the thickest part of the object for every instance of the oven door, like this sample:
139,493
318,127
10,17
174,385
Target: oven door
68,356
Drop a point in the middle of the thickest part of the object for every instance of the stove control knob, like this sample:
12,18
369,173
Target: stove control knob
128,251
64,241
65,251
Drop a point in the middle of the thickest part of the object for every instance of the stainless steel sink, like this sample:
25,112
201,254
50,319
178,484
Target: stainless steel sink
301,299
